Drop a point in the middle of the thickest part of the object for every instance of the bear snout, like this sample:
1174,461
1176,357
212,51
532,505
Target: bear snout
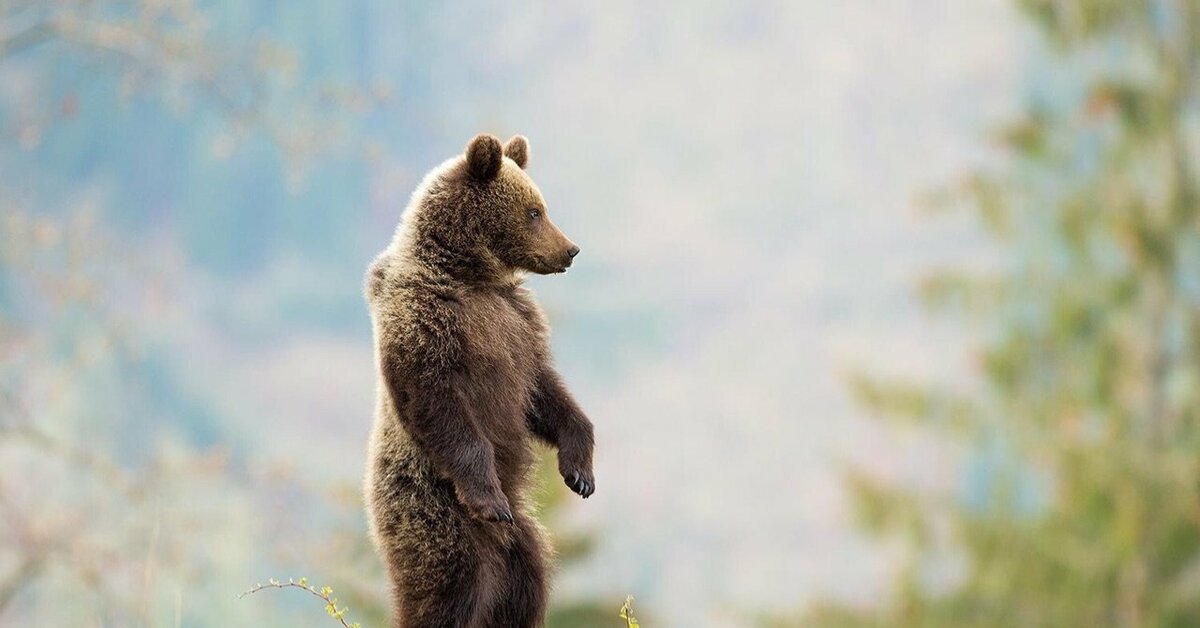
568,257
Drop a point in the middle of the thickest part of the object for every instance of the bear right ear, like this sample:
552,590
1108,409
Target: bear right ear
484,155
517,149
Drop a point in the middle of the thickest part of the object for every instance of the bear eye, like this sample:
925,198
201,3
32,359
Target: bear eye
535,213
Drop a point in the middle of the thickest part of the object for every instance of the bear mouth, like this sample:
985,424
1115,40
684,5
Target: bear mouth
543,267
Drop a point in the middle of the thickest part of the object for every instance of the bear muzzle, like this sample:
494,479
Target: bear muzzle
547,265
569,258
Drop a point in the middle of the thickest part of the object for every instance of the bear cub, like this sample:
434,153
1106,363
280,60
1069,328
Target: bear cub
466,384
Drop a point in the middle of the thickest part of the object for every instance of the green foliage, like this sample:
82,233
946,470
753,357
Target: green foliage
324,593
1090,357
627,613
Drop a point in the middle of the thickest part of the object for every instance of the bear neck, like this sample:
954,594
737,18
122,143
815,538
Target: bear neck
469,265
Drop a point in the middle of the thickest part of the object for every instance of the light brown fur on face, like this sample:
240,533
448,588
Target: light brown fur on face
466,384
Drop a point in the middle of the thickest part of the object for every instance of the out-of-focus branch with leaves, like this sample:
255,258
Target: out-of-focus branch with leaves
120,519
325,594
169,48
133,537
1080,504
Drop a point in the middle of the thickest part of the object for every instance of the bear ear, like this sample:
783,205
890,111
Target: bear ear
517,149
484,156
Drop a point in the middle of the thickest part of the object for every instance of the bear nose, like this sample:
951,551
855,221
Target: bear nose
572,252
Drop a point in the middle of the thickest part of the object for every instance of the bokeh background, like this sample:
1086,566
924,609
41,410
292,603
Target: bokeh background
888,312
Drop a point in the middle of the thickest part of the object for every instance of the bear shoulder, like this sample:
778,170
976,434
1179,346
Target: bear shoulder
376,278
419,329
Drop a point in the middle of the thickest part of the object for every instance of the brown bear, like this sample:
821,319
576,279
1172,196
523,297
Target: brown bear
465,386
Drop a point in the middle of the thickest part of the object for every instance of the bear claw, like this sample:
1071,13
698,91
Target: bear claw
503,515
581,486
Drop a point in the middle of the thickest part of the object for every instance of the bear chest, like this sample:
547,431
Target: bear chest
502,345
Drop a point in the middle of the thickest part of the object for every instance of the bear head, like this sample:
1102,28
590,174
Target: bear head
480,216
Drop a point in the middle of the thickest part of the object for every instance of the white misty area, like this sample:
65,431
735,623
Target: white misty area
743,184
748,184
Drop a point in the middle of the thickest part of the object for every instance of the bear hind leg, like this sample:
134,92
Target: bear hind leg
524,589
441,596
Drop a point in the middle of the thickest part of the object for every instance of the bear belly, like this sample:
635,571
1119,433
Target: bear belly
499,377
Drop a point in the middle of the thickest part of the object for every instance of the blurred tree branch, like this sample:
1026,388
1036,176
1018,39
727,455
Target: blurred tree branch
79,519
30,36
23,575
171,42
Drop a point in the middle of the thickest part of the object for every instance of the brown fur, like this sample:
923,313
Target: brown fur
465,383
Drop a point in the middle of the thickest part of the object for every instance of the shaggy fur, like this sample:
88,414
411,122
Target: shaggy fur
465,383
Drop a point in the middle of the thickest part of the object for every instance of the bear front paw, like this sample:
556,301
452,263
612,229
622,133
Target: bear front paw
488,507
581,482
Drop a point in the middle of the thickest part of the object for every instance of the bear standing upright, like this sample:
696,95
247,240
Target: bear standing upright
465,385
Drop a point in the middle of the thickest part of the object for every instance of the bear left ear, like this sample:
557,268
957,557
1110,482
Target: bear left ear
517,149
484,156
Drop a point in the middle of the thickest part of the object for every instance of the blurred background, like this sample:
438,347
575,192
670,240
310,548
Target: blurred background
888,313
